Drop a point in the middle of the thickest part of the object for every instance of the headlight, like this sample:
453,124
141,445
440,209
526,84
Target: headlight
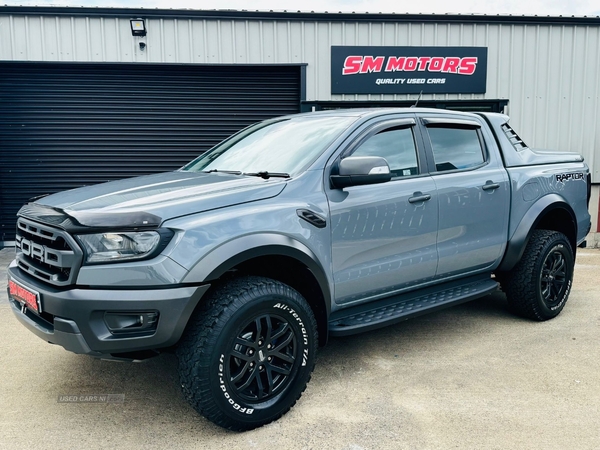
122,246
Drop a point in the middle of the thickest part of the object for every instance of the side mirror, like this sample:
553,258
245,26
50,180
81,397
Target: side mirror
359,170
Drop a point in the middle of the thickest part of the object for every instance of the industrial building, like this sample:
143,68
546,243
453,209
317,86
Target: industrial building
95,94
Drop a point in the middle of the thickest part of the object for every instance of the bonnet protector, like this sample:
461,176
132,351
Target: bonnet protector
73,221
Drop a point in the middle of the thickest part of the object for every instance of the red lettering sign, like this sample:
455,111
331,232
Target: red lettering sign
370,64
352,65
468,66
395,64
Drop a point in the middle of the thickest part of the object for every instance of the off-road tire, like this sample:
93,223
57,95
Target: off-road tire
247,356
539,285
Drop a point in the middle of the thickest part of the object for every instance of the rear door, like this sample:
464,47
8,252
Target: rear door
473,193
384,235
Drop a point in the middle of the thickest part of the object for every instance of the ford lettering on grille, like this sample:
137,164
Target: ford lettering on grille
47,253
41,253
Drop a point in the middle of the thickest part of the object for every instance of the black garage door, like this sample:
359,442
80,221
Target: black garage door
66,125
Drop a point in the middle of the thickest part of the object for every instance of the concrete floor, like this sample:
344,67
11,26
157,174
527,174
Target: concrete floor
470,377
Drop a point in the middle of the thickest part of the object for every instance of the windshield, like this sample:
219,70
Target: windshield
285,146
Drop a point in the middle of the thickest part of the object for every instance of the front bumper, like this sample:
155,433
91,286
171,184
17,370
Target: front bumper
76,318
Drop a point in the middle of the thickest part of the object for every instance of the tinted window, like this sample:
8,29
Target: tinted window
455,148
397,146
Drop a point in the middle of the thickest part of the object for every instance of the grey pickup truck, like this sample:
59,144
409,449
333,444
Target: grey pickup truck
245,260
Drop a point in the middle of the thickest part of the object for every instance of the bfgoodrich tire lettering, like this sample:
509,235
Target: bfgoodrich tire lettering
247,357
539,285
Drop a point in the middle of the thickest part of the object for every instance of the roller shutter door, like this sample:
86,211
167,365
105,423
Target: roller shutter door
64,125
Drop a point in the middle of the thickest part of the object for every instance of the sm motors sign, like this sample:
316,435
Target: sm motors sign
408,70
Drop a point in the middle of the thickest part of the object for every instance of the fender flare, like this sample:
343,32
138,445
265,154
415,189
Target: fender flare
517,243
214,264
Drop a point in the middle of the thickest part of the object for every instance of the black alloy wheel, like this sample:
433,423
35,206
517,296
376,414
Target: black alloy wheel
248,355
538,286
260,364
554,278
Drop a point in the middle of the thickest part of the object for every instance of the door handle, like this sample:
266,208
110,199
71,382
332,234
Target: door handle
419,197
490,185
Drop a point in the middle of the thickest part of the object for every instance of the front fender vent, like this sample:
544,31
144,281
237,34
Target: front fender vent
312,218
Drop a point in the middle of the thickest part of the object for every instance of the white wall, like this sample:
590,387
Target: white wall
594,236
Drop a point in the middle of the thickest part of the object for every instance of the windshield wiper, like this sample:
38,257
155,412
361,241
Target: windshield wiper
266,175
232,172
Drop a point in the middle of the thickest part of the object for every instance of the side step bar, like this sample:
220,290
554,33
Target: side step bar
395,309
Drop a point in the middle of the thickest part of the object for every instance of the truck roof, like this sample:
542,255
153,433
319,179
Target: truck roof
374,112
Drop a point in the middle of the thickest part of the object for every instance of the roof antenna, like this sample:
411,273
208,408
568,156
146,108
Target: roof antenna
419,98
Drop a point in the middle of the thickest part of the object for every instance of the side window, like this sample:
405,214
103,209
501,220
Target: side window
455,148
397,146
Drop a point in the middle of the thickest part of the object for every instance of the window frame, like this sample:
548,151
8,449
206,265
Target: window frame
405,122
453,123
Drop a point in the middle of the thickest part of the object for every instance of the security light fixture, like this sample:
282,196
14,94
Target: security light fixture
138,27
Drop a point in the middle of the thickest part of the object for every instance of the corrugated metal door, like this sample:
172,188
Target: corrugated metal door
64,125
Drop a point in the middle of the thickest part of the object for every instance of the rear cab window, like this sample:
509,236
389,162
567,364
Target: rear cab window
455,144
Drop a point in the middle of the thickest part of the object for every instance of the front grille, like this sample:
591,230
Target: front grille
47,253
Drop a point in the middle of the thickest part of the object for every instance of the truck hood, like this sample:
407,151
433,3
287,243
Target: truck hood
149,200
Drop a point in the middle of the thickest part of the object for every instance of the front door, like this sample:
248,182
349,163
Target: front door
384,235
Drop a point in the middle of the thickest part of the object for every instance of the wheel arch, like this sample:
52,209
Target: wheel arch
273,256
551,212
